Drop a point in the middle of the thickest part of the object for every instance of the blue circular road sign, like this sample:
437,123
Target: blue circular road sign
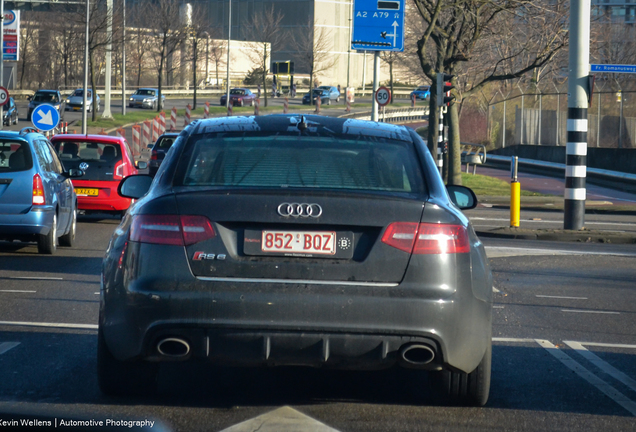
45,117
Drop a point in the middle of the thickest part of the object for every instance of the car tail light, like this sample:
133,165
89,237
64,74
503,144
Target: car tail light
119,170
427,238
153,155
171,229
38,191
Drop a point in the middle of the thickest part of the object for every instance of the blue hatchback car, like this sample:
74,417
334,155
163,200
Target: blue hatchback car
422,92
37,199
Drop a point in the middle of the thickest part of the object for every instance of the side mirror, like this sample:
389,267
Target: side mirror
134,186
141,165
462,197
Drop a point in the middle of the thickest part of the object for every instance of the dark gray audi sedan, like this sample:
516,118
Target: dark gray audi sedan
297,240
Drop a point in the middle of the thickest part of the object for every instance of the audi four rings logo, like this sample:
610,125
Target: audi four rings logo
299,210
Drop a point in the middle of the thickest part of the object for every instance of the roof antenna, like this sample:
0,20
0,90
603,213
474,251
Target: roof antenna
302,125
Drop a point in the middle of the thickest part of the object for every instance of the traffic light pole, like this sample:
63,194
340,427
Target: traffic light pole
578,87
440,141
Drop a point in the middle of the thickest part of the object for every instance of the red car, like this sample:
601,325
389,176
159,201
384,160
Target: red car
105,160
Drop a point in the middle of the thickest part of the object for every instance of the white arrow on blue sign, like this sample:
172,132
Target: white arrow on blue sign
45,117
378,25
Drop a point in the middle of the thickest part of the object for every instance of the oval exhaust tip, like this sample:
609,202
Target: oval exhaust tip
173,347
418,354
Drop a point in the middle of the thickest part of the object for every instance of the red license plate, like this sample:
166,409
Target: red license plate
303,242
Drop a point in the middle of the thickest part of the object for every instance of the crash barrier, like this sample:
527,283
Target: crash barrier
547,167
186,121
136,139
206,110
147,129
162,122
394,115
173,119
473,154
155,129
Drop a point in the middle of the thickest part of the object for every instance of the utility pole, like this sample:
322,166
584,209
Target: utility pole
376,81
109,63
84,119
123,61
229,37
2,59
350,36
578,97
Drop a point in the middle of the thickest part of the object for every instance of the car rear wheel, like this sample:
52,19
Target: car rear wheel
459,388
69,238
47,244
15,122
118,378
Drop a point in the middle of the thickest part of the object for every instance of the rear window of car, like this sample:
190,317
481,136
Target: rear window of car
287,161
99,158
165,143
15,156
145,92
237,92
45,97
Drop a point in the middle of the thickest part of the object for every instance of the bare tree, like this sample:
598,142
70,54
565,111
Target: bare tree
167,33
267,34
199,32
453,31
217,55
314,46
390,57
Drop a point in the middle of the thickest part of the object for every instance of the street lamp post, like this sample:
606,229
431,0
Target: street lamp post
84,119
1,58
229,37
123,61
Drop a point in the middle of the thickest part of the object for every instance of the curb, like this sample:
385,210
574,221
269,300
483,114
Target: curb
584,236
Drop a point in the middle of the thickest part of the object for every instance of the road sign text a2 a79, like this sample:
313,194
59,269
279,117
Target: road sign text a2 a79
378,25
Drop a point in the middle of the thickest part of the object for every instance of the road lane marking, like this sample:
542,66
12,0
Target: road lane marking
35,278
498,307
601,364
518,340
588,376
561,297
590,311
17,291
54,325
6,346
281,419
608,345
495,290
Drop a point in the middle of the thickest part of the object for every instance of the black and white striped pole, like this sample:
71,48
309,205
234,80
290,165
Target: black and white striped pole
443,98
578,101
440,141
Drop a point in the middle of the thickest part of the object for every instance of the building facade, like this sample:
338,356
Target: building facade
617,11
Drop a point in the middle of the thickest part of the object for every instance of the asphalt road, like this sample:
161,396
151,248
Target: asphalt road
563,357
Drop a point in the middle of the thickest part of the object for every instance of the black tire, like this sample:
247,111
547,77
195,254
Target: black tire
328,101
123,378
68,239
15,122
469,389
47,244
338,99
154,106
252,103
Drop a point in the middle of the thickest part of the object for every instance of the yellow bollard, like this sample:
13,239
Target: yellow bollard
515,203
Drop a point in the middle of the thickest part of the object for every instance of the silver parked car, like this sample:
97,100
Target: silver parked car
75,101
146,98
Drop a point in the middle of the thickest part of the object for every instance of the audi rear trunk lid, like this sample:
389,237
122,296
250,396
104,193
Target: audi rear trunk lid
263,236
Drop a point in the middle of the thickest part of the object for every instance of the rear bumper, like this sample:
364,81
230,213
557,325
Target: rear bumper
107,200
246,323
26,225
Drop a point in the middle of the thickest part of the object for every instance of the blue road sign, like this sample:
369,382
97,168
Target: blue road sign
45,117
378,25
613,68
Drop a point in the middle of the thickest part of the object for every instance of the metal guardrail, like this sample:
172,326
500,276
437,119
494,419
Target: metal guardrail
601,173
393,115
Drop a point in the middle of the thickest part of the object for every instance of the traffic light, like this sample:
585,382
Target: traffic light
443,89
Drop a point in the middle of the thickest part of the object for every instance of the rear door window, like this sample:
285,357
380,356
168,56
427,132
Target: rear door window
15,156
279,161
97,160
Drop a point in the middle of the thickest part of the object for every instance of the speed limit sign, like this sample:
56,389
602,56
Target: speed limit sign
4,96
383,96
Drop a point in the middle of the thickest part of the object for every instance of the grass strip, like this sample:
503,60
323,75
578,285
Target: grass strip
484,185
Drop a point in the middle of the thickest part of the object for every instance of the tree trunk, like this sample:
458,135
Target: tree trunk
454,147
216,68
194,71
265,73
391,80
90,62
160,78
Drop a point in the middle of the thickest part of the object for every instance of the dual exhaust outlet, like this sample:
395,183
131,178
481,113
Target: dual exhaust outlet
414,355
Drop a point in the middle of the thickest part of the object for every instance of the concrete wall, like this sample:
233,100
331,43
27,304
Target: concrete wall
623,160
